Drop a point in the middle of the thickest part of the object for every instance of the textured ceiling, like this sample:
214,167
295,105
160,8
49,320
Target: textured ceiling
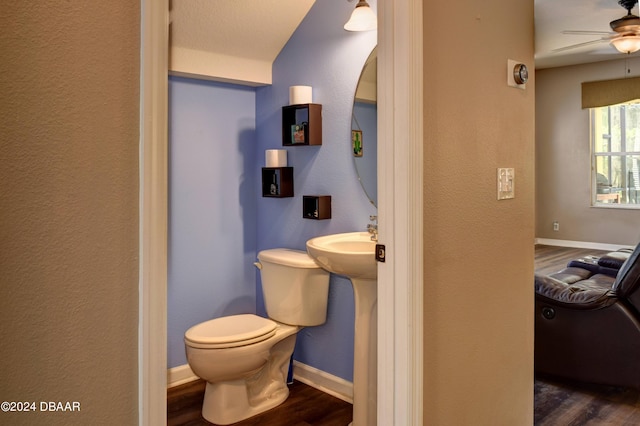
246,29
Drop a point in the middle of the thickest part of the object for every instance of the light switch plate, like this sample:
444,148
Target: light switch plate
506,183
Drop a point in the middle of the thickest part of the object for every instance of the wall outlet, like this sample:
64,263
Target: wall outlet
556,226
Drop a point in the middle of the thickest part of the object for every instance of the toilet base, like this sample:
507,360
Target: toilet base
235,400
227,403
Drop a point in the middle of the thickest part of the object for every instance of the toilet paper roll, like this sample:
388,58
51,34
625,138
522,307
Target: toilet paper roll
300,95
275,158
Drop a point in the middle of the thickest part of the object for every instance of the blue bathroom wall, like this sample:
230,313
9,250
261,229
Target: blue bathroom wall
323,55
217,219
212,205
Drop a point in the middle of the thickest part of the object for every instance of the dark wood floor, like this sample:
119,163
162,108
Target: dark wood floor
551,259
557,402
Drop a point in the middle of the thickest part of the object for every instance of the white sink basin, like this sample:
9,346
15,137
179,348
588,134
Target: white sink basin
351,254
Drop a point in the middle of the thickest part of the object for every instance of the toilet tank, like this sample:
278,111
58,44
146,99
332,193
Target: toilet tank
295,288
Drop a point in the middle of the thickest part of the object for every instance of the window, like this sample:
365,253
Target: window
615,147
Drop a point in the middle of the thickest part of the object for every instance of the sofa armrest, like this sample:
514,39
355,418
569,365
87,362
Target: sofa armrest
590,263
614,260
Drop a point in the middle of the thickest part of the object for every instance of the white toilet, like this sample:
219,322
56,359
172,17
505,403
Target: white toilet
245,358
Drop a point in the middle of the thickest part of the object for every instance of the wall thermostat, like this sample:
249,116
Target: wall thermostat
517,74
520,73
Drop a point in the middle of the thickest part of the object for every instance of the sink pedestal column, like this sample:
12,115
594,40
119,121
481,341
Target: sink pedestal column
352,255
365,352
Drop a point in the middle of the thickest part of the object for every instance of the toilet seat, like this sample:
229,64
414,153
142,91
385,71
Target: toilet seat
230,332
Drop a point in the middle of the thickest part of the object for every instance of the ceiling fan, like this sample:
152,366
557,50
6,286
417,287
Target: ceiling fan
625,36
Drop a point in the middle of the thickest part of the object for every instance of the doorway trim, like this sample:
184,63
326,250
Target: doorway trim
400,368
400,171
153,221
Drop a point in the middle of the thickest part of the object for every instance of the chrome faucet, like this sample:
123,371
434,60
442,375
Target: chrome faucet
372,228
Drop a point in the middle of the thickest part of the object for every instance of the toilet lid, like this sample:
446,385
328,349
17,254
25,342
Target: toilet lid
231,331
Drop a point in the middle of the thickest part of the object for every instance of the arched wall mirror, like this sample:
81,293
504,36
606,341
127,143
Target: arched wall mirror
364,129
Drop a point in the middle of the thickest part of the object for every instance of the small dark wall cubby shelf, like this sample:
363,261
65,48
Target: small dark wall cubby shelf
277,182
316,207
302,125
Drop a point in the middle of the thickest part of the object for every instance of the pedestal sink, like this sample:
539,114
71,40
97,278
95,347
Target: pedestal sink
353,255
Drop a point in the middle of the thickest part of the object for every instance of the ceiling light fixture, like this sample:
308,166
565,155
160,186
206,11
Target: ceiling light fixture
362,18
627,44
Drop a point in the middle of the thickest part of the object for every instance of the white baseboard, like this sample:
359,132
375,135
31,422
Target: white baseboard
325,382
580,244
180,375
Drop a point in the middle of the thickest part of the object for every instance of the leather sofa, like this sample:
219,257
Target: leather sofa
587,324
609,264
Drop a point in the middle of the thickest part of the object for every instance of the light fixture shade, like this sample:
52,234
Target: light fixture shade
627,44
362,18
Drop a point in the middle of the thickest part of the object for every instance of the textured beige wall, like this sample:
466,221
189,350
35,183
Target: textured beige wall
563,163
69,79
478,306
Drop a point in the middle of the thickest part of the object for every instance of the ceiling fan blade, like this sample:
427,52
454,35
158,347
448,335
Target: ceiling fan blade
579,32
575,46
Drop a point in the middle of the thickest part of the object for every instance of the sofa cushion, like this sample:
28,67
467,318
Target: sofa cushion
572,274
592,293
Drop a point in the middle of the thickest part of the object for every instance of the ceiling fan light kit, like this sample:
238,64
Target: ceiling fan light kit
626,44
629,29
626,32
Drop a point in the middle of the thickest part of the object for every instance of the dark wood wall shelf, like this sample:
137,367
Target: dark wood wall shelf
316,207
302,125
277,182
